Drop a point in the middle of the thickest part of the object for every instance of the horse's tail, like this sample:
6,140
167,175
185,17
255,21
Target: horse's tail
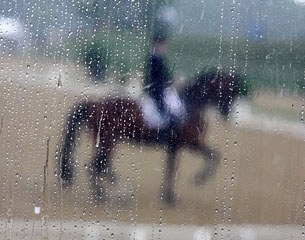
76,118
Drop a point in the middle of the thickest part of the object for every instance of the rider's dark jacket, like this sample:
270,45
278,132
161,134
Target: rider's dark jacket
157,77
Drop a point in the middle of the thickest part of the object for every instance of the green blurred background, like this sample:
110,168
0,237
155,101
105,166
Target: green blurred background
263,39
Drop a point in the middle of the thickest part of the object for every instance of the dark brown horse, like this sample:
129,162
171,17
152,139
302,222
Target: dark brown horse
116,119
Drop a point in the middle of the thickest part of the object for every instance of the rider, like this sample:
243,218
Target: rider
158,77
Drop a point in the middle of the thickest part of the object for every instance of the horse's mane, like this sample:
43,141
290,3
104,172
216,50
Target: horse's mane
196,87
201,86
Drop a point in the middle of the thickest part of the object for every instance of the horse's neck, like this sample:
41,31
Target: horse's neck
192,103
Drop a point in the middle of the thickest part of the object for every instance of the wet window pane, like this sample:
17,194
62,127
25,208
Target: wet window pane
131,119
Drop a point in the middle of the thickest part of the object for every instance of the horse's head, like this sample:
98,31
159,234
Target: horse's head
216,88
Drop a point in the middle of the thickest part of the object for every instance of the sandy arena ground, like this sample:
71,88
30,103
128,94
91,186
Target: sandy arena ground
260,179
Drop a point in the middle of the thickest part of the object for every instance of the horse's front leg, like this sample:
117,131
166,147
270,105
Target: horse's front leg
101,168
212,158
167,189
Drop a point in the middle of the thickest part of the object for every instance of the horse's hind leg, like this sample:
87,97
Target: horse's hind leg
74,122
66,170
212,159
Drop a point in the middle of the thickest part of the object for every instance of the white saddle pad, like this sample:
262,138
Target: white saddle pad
151,114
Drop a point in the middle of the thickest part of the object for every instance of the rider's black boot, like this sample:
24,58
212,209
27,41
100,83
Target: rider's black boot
167,133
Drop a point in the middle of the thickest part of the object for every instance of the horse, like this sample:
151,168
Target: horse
114,119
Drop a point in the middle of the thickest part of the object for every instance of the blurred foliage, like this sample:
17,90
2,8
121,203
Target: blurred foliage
96,60
110,53
267,64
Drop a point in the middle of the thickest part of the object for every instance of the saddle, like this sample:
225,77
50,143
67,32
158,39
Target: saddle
174,104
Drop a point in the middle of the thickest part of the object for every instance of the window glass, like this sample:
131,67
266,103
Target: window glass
164,119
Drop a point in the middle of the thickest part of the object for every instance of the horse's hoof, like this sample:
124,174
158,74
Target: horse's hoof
113,181
200,180
66,177
99,195
170,199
